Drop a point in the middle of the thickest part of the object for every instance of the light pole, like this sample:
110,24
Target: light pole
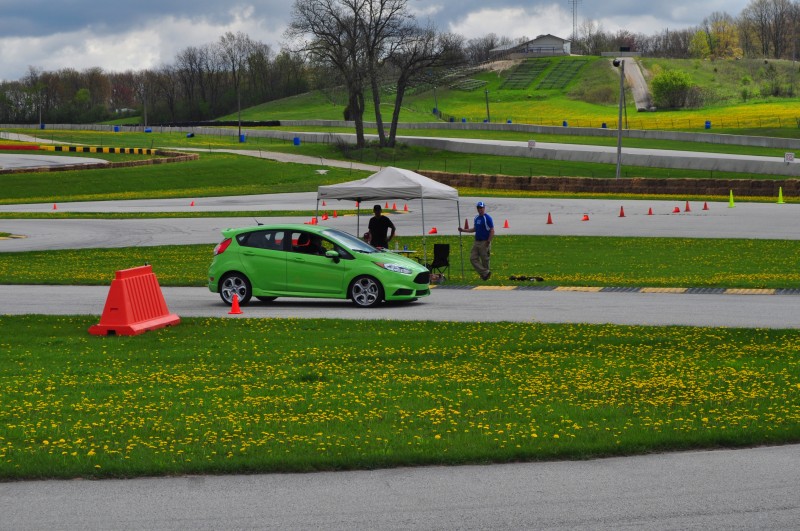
488,116
620,63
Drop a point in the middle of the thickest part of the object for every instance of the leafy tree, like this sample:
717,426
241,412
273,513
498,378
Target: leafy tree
671,89
336,39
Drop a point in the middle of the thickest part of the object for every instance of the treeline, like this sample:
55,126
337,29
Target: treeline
236,71
202,83
765,29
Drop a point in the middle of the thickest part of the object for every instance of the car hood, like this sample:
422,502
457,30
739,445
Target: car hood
393,258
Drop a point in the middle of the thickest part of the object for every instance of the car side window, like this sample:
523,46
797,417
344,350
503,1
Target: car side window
308,243
262,239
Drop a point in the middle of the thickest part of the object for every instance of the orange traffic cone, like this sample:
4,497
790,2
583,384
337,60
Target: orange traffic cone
55,207
433,231
386,206
687,209
358,203
394,206
324,216
705,206
676,210
650,211
585,217
191,204
621,212
323,203
405,207
334,214
235,310
505,225
549,219
466,224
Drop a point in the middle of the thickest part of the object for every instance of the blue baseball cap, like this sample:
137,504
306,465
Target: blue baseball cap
481,204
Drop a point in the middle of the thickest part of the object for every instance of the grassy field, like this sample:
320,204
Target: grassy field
292,395
560,260
275,395
588,100
212,175
252,176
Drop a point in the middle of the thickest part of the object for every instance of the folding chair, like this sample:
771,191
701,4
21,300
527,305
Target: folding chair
441,260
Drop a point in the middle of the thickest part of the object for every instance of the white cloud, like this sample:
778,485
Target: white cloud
146,34
515,22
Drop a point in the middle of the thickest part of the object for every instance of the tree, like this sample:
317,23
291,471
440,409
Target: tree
722,36
671,89
699,47
235,51
384,25
417,51
336,39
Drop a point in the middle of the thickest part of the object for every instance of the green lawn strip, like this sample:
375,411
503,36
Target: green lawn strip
97,138
560,260
211,175
247,175
408,157
288,395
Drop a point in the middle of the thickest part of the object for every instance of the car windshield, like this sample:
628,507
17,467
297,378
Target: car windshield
350,241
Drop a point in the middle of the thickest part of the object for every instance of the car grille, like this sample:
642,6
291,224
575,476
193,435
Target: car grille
423,278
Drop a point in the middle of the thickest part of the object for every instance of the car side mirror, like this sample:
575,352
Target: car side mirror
334,255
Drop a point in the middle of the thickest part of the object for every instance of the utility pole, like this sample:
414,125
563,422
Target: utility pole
574,4
620,63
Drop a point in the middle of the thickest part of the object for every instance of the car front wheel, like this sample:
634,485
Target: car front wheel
366,292
235,284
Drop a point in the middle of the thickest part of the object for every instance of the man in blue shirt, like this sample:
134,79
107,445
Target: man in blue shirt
483,227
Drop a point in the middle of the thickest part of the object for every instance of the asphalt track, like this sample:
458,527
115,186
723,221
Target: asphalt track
13,162
742,489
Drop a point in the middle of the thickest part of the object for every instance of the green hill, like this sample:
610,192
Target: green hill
582,91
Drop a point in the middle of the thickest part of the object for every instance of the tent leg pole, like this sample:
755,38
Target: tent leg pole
424,244
460,239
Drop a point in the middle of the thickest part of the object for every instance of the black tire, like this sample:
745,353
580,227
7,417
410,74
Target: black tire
366,292
266,299
235,284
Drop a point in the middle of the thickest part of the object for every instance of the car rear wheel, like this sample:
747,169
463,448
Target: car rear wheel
235,284
366,292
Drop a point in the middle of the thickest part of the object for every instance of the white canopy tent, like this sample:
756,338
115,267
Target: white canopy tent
394,183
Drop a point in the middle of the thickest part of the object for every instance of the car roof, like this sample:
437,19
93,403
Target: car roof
316,229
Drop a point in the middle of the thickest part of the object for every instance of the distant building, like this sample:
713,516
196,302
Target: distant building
542,46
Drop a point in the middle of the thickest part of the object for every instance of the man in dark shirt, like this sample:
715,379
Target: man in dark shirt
379,225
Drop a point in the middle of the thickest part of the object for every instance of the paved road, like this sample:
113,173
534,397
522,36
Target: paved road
522,305
524,216
743,489
14,162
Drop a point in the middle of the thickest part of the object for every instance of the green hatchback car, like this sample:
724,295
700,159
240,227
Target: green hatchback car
271,261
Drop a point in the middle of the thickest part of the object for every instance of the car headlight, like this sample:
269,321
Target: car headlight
394,268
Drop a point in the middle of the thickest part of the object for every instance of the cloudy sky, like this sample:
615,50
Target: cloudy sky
119,36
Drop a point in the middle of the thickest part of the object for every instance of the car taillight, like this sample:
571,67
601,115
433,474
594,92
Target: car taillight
221,246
